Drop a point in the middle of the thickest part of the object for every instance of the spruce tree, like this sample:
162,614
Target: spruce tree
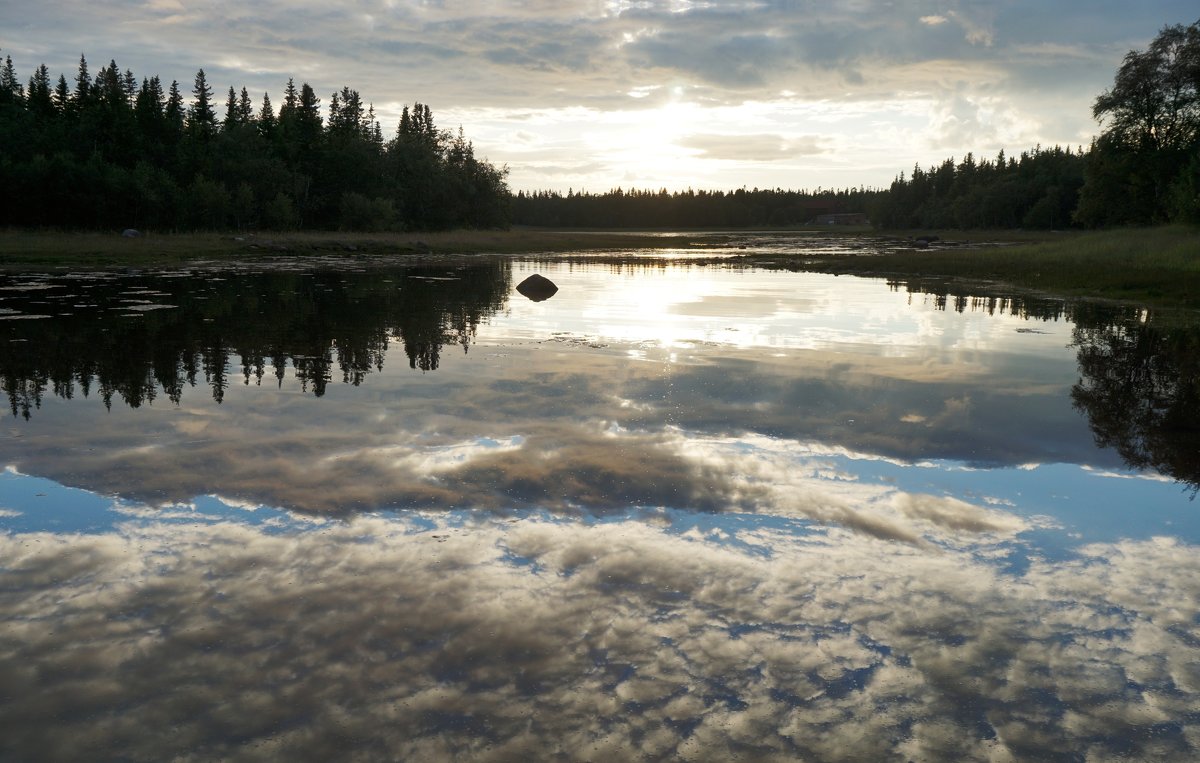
62,94
83,85
41,95
232,115
245,109
11,90
174,110
266,118
202,120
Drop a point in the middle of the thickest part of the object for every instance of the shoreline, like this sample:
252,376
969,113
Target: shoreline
31,250
1153,266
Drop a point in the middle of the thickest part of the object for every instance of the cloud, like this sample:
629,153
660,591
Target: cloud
977,25
539,57
419,639
753,147
569,430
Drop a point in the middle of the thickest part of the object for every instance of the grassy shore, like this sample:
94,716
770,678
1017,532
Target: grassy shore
26,249
1159,266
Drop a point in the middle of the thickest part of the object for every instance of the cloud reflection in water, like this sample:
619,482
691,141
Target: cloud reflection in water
440,637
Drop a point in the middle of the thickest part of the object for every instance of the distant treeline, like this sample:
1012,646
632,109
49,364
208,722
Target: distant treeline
113,152
1038,190
1143,169
686,209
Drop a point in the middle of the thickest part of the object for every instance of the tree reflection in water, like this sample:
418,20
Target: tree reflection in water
1140,389
1139,374
134,337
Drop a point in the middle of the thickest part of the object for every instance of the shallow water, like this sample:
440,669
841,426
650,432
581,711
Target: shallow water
681,509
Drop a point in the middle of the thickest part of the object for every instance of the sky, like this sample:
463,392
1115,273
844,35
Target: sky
676,94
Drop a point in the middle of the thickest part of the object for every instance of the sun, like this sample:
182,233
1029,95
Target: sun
643,144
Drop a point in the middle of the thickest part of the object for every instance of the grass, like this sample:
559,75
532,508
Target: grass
38,249
1159,266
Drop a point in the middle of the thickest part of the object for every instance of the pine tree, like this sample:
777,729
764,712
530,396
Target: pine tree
232,115
83,85
266,118
202,120
308,117
149,104
11,90
291,100
41,95
109,88
245,109
174,110
62,94
131,87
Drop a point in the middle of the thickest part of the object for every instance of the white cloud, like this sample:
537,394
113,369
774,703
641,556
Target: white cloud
392,638
753,147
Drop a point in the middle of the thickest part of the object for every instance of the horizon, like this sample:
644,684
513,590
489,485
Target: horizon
650,95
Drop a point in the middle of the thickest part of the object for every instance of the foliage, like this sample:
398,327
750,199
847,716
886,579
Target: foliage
687,209
113,153
1143,168
1038,190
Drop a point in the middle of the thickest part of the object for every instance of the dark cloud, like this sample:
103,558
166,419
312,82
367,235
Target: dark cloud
575,47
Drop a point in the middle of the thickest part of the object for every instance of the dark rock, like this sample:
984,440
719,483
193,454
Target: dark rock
537,288
131,233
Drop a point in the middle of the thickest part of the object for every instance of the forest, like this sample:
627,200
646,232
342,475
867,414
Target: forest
687,209
111,152
108,152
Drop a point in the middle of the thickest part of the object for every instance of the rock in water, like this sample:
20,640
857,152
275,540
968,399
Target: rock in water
537,288
131,233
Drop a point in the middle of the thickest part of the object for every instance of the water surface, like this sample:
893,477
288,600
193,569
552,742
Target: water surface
682,509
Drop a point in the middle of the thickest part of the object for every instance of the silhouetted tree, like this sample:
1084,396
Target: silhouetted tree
113,151
1146,156
202,119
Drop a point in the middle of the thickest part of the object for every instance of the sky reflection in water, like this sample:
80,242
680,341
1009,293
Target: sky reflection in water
671,512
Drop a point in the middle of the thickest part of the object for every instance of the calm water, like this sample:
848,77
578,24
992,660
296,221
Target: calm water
682,509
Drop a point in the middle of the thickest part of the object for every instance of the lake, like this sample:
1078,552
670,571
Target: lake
692,506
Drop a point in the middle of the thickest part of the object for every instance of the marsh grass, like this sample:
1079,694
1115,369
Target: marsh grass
1155,265
36,249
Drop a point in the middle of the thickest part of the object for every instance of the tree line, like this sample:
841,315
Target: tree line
1040,189
110,151
741,208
